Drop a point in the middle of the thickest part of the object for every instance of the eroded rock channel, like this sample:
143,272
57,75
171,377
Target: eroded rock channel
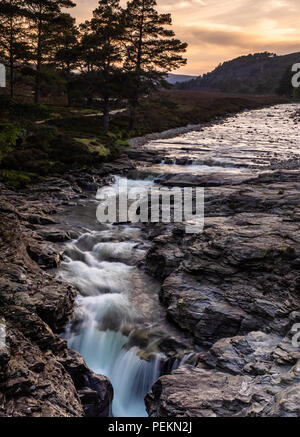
200,324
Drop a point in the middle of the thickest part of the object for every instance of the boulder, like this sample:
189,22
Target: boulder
236,377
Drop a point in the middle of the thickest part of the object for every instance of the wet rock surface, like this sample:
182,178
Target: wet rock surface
231,293
39,375
240,275
252,375
235,289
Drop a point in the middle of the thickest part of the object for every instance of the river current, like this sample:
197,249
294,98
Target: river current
119,323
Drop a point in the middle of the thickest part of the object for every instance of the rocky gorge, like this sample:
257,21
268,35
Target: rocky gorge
39,375
217,310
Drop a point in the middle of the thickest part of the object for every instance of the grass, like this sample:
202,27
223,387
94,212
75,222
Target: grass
172,109
69,139
94,146
17,179
66,140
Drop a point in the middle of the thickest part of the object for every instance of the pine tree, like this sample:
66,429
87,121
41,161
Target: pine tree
12,35
64,44
152,50
42,13
103,49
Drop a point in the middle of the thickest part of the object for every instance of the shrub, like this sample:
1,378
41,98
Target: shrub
119,144
29,111
41,135
16,179
9,134
94,146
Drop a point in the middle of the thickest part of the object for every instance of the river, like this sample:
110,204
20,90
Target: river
119,324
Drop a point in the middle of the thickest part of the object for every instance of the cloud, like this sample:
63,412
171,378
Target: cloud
233,38
219,30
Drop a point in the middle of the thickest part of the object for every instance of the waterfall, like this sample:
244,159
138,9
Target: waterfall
102,266
105,352
181,362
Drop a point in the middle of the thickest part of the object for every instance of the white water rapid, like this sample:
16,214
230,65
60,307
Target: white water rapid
102,266
118,310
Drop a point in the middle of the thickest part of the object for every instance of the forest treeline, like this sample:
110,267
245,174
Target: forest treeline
119,54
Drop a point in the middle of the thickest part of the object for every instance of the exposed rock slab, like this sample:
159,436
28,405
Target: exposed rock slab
240,275
235,289
237,377
209,180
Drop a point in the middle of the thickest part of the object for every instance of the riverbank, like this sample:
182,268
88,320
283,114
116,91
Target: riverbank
235,287
35,306
178,109
39,374
37,141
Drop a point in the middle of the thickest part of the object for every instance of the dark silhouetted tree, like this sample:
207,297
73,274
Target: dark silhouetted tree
42,14
66,50
12,35
102,50
152,50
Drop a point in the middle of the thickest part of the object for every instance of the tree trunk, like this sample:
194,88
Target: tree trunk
68,87
69,98
38,65
11,59
106,97
37,83
106,114
135,99
133,112
12,88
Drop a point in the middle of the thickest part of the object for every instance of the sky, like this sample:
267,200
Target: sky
220,30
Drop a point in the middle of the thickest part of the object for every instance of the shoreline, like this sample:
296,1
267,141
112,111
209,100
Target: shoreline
47,308
170,133
140,141
70,142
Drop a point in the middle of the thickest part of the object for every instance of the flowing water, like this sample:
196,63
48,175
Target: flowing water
115,308
119,322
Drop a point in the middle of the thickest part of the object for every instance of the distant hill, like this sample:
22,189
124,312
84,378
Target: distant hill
179,78
260,73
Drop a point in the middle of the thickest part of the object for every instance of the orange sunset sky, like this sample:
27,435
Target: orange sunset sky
219,30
